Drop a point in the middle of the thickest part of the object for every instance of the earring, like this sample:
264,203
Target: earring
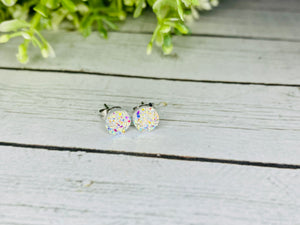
117,120
145,117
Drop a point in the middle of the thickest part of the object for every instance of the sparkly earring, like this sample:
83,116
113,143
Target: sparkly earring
145,117
117,120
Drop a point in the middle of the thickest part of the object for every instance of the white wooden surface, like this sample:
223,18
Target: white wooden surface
233,99
272,19
252,122
45,187
194,58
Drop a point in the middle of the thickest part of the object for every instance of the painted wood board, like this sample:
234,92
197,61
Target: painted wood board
50,187
194,58
244,19
240,122
270,5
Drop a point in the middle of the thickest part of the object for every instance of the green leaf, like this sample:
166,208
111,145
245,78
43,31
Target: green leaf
18,12
22,55
86,25
167,46
139,8
129,2
13,25
47,51
189,3
41,9
82,8
4,38
69,5
163,7
149,48
122,15
9,2
151,2
26,35
182,28
110,24
159,39
57,17
165,29
180,9
101,29
52,4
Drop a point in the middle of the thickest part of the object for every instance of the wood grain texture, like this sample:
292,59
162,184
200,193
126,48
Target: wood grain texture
241,122
195,58
45,187
247,18
270,5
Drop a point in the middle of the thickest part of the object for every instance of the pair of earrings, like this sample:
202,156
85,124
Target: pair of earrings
117,120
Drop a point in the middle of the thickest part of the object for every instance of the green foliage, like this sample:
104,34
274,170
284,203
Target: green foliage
26,18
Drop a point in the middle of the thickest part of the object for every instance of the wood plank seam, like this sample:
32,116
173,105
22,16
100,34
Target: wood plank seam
248,60
153,155
250,123
48,187
243,37
151,78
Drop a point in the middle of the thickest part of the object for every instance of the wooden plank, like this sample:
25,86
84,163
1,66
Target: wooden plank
241,122
115,189
248,23
213,59
247,18
270,5
45,187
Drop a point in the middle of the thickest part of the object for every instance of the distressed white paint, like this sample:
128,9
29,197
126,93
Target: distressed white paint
243,122
50,187
197,58
255,123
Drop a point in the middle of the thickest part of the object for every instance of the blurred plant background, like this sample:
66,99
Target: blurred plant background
26,18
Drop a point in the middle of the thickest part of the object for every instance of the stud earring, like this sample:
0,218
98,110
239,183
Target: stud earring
117,120
145,117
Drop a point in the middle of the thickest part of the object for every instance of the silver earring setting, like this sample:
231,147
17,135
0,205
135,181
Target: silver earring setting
145,117
117,120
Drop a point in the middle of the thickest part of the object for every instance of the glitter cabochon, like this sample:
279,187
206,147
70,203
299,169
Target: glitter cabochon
117,122
145,118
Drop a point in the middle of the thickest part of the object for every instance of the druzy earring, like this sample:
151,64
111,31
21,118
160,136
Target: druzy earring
145,117
117,120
